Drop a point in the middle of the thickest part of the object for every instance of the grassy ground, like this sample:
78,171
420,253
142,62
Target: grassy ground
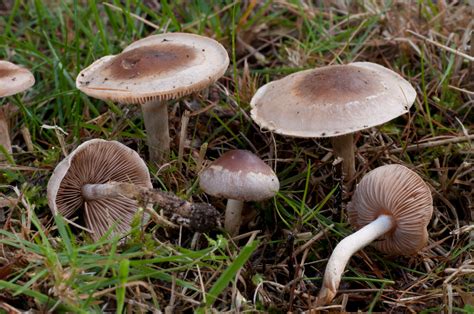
270,267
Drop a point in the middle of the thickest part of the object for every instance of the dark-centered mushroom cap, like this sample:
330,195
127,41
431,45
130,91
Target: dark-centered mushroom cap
14,79
161,67
399,192
239,175
95,162
332,100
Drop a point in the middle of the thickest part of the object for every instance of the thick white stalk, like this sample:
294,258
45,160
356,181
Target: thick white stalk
92,192
155,117
343,146
233,216
343,252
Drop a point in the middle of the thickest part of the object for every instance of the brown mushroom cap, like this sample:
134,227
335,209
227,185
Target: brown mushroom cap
332,100
399,192
164,66
14,79
96,162
239,175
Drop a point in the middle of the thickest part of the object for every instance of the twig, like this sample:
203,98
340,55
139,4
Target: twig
310,242
461,90
418,146
8,201
145,21
437,44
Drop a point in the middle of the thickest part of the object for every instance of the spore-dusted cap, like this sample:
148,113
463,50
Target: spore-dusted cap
332,100
14,79
239,175
164,66
399,192
97,162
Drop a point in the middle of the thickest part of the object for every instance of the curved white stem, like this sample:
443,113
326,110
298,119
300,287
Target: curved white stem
343,252
233,216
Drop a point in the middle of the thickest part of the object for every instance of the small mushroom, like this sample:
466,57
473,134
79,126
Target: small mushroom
13,80
239,176
151,71
333,101
79,186
392,204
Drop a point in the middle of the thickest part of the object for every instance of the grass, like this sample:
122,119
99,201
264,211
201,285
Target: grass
46,265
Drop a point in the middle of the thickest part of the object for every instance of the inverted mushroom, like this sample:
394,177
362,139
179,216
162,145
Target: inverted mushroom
391,203
333,101
239,176
151,71
78,183
13,80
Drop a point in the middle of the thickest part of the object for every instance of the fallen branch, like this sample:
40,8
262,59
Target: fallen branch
196,216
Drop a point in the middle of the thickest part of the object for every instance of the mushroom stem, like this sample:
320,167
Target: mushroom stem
155,116
343,147
92,192
199,217
4,133
233,216
345,249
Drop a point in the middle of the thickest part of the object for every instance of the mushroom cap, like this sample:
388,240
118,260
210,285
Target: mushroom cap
239,175
96,162
164,66
332,100
399,192
14,79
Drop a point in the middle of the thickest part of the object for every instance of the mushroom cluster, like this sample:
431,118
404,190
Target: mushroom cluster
391,205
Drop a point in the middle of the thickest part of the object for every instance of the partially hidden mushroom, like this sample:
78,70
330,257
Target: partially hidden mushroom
392,205
238,175
333,101
151,71
80,183
13,80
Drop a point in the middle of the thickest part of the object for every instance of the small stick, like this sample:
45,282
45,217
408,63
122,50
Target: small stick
27,137
456,52
8,201
141,19
452,140
182,138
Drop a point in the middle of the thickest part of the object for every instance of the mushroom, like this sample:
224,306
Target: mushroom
391,203
13,80
79,186
239,176
151,71
333,101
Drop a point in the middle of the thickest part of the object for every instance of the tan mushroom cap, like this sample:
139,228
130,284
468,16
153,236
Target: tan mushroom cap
14,79
239,175
399,192
164,66
96,162
332,100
